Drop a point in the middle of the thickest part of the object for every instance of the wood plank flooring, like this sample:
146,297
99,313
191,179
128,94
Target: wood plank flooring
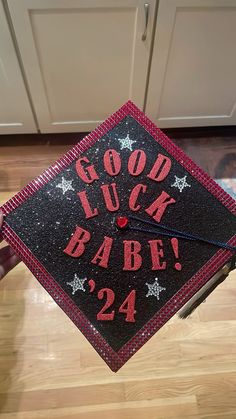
49,370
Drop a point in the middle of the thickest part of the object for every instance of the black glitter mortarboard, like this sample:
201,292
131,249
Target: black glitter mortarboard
122,232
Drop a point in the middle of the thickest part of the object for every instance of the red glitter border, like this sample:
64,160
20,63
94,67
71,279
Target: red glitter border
115,360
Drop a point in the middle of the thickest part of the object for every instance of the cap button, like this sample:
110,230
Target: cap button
122,222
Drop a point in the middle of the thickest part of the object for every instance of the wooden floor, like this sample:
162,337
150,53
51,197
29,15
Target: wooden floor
49,370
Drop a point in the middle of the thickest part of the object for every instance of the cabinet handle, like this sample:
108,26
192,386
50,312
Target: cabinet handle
146,12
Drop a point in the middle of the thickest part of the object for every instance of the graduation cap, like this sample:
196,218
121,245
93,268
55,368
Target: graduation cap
123,231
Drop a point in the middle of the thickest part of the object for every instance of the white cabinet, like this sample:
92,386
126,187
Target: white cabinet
193,70
15,112
82,58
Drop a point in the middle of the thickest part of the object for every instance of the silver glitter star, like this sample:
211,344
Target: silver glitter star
65,185
126,143
154,289
77,284
180,183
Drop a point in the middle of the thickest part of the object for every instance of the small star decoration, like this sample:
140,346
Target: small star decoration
77,284
154,289
180,183
65,185
126,143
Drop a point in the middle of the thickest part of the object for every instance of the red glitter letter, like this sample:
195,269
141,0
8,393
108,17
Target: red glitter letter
128,307
89,175
160,168
136,162
108,199
112,162
132,258
157,208
103,253
89,212
110,300
134,196
156,247
75,247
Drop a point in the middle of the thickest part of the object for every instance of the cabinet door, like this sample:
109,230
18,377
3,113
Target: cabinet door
82,58
15,111
193,70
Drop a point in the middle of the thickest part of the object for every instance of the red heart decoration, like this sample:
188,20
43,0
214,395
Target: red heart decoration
122,222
